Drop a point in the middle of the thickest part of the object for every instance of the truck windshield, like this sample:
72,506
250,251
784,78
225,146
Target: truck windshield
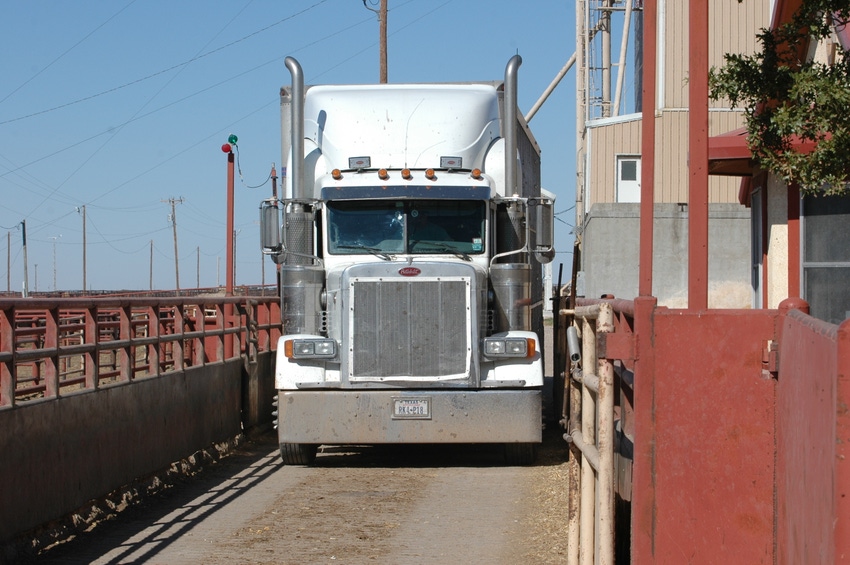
421,227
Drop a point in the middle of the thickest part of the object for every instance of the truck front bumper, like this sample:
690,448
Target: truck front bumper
390,416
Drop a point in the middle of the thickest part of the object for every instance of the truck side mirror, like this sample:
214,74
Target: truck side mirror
270,226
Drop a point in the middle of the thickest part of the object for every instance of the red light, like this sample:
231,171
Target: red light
226,148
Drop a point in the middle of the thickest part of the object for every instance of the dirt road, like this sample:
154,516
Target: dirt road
399,504
381,504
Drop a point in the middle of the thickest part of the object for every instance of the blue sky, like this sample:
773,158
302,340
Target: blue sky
119,106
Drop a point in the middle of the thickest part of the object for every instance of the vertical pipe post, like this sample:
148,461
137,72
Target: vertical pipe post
91,370
573,512
125,334
228,282
574,467
581,111
51,342
605,444
647,165
605,38
621,64
698,156
588,431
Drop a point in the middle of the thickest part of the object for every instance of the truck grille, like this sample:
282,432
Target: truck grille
410,328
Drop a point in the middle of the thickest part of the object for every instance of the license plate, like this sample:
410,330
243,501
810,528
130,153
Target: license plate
418,408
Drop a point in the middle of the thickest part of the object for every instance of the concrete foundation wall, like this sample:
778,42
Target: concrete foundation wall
610,254
58,454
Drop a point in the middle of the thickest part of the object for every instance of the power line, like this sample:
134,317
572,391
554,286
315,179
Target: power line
115,131
110,241
163,71
71,48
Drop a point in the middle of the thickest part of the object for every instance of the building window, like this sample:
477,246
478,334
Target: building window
826,256
628,179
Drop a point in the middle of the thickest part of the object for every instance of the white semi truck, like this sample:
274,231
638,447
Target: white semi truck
409,238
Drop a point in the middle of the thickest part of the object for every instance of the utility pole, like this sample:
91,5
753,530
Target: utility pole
198,268
54,238
83,212
382,31
8,261
151,268
174,202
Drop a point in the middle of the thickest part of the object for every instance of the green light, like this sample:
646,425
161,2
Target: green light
232,139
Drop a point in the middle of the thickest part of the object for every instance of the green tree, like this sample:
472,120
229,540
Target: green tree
796,110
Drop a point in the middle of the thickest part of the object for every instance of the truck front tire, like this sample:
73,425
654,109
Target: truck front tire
298,453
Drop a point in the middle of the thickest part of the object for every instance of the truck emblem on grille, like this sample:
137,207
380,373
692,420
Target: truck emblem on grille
409,271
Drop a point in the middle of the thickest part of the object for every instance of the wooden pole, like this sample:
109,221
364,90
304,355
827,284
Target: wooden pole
174,202
83,210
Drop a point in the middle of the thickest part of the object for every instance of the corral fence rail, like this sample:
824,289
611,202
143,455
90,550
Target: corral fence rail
54,347
597,415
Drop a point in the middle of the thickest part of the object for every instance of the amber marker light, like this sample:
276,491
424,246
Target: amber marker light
383,174
336,174
405,174
429,174
476,174
531,349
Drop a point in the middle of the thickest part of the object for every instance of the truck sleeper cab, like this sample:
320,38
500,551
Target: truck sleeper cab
406,292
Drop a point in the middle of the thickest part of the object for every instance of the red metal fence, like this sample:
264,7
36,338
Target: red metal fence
54,347
598,417
740,423
813,441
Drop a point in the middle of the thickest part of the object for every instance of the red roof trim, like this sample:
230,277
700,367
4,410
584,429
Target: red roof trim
729,145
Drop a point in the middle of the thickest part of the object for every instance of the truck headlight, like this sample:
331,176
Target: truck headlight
508,347
309,348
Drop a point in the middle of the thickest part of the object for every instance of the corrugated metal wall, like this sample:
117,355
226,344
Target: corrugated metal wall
671,184
734,27
609,142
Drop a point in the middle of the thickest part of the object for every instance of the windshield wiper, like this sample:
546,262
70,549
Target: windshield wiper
373,250
442,247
